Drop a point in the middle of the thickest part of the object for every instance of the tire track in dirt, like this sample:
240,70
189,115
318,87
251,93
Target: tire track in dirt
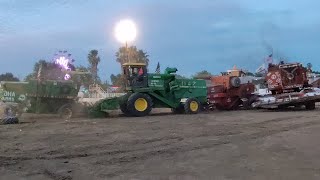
56,176
277,120
54,154
7,160
57,152
168,151
235,129
139,150
267,132
232,137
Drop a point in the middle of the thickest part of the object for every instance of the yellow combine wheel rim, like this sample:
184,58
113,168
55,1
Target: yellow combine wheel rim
141,104
194,106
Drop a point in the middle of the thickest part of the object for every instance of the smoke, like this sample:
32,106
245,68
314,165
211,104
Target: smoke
276,53
271,32
267,46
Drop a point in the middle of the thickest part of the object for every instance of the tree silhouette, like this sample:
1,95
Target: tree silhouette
94,60
8,77
132,54
202,74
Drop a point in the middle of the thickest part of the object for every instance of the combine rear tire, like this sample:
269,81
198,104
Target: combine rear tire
311,106
139,104
10,120
192,106
7,115
248,104
65,112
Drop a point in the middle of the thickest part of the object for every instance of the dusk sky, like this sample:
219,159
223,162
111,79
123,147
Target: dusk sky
191,35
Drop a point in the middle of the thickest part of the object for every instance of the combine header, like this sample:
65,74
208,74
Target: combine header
146,91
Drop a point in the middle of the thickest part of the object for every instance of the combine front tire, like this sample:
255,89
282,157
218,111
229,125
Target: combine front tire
139,104
192,106
311,106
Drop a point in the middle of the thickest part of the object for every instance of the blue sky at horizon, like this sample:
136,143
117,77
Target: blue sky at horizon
191,35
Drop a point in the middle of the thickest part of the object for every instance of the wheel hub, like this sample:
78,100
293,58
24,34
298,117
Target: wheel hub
141,104
194,106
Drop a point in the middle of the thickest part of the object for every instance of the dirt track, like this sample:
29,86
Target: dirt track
219,145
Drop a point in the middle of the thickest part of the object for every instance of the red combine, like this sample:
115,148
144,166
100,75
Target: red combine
227,92
289,86
284,78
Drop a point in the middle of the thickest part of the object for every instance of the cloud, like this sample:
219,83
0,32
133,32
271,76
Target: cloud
213,34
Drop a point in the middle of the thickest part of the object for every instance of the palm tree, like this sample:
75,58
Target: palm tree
143,57
132,54
121,55
94,60
202,74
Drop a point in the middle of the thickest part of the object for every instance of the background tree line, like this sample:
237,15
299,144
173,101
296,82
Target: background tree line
123,55
49,69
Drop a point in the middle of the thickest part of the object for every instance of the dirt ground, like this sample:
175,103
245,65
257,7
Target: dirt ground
218,145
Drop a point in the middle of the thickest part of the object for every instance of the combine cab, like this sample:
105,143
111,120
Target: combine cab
146,91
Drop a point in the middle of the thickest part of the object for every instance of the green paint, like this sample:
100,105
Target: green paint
43,97
165,90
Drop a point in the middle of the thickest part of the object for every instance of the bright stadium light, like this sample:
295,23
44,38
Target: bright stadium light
125,31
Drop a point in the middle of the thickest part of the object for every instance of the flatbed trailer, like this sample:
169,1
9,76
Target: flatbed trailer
307,97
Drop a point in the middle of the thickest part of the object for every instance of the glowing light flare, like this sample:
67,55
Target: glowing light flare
67,77
62,61
125,31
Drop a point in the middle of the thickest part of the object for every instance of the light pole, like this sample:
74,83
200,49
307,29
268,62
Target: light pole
125,32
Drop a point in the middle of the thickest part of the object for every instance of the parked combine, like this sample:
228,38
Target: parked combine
285,78
288,86
146,91
229,91
43,97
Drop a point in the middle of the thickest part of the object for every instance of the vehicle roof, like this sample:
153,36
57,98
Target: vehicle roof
134,64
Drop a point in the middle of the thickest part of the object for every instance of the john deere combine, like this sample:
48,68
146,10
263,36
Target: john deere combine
146,91
45,96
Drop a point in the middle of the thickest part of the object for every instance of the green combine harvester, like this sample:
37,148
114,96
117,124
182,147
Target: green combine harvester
146,91
42,96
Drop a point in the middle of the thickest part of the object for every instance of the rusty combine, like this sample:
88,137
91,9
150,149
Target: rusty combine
288,86
230,91
284,78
